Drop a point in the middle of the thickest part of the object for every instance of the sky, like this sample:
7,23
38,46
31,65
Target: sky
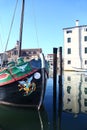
44,21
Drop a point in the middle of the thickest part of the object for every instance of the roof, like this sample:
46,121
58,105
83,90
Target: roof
75,27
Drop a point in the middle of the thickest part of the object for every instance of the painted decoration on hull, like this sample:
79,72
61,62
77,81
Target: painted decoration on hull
28,85
3,76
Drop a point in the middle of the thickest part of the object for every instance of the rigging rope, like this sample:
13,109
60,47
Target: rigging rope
1,27
11,25
1,42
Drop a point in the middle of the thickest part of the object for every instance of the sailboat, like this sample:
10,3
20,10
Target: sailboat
23,84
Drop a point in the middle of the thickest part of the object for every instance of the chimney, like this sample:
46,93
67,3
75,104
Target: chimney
77,22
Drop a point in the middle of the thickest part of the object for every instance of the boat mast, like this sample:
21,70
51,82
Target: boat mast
21,28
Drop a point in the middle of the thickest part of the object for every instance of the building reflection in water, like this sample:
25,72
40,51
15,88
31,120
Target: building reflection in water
75,93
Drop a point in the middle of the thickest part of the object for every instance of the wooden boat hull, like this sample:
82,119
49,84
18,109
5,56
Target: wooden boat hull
24,93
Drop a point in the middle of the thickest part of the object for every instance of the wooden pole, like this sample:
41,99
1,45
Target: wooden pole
54,68
60,90
54,87
60,72
60,56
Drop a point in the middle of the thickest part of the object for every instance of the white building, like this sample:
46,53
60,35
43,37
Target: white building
75,47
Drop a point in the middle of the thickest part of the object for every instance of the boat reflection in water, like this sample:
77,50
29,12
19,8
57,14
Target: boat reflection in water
75,100
23,119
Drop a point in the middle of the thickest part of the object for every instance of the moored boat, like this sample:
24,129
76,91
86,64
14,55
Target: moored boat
23,83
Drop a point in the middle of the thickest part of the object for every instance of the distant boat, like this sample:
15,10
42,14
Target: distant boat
23,84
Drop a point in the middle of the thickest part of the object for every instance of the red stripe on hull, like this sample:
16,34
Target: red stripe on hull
3,76
16,79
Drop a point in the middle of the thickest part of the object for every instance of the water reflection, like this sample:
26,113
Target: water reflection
66,110
23,119
74,101
75,92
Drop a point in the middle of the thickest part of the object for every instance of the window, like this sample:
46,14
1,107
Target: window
24,53
29,52
85,62
15,52
69,40
85,102
85,49
86,81
68,78
69,51
34,52
68,89
85,90
69,62
85,29
69,31
85,38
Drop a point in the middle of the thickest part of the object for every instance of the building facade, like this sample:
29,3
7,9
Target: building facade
50,59
12,54
75,47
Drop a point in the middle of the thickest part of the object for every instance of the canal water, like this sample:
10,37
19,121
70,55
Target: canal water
66,111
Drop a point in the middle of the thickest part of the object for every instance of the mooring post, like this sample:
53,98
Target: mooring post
54,70
54,87
60,57
60,89
60,75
